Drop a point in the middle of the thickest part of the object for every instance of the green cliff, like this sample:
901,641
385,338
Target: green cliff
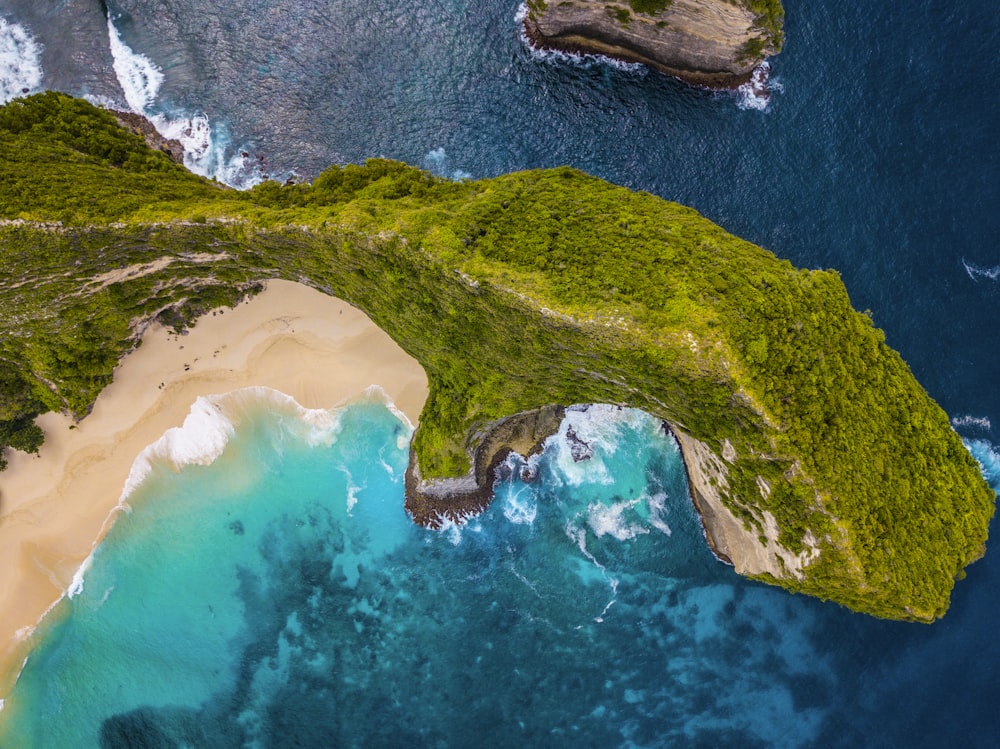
816,459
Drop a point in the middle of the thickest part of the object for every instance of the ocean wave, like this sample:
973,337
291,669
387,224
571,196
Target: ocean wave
578,535
207,150
520,505
657,512
610,520
213,421
20,62
976,272
756,93
453,527
587,436
988,456
139,77
436,162
968,421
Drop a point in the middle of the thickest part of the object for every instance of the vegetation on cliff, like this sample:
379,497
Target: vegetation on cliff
535,288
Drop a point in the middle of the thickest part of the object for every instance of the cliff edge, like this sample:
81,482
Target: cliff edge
815,458
714,43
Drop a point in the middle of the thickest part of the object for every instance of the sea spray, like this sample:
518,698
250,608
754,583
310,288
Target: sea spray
205,147
20,62
756,93
976,272
988,456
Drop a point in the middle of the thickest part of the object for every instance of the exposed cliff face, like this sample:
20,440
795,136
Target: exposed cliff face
751,547
708,42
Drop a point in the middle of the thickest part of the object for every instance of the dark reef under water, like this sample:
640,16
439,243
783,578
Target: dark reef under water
875,155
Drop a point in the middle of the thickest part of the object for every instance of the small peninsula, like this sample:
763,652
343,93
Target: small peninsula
715,43
816,460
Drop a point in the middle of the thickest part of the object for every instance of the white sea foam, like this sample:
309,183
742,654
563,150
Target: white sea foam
139,77
520,507
76,584
976,272
972,422
436,162
578,535
205,147
657,511
352,494
199,441
452,528
988,457
609,520
596,430
20,62
756,93
208,427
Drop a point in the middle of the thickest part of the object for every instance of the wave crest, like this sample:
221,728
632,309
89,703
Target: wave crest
20,62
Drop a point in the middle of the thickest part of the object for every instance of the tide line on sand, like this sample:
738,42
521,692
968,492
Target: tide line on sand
55,508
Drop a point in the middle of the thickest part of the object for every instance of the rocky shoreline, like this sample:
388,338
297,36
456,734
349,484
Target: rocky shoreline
434,502
140,125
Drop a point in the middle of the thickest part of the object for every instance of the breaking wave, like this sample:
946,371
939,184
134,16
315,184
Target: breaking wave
756,93
20,62
206,148
976,272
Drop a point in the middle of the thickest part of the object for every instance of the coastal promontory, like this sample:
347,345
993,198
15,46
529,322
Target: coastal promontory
715,43
816,460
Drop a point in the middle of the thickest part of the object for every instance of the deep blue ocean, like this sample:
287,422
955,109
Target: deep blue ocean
280,597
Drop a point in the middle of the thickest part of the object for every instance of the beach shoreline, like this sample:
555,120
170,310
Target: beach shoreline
55,507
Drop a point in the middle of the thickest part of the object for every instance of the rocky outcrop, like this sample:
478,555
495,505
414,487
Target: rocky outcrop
751,546
714,43
435,501
141,126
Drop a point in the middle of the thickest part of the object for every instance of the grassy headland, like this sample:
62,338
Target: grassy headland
535,288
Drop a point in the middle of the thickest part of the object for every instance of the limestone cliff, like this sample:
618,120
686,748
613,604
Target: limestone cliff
815,457
707,42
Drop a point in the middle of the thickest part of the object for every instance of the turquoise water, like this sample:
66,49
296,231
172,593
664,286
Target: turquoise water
280,596
876,155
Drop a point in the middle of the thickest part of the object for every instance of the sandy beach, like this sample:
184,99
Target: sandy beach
53,507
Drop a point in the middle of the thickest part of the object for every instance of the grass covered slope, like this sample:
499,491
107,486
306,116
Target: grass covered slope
536,288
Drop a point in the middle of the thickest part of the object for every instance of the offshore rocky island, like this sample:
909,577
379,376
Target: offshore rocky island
816,460
715,43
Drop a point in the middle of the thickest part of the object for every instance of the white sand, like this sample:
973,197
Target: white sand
316,348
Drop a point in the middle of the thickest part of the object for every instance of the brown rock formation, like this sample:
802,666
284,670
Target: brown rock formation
142,126
432,502
713,43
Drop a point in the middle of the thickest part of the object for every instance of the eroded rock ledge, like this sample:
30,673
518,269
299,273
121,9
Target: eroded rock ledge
433,502
712,43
